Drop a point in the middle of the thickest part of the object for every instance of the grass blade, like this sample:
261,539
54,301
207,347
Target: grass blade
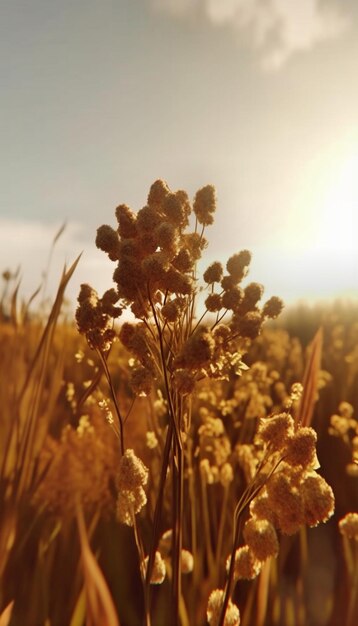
310,381
99,604
6,614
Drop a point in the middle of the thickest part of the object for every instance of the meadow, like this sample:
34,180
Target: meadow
183,452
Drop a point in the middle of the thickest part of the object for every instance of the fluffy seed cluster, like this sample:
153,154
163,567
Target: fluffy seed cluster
155,277
94,316
276,430
164,549
187,562
215,602
348,526
301,448
261,537
294,494
247,565
293,498
131,479
318,499
158,571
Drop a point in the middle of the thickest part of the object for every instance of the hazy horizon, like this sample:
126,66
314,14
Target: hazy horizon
261,100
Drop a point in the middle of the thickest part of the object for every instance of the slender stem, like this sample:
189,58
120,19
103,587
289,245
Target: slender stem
114,398
206,524
221,527
250,492
218,319
165,372
159,503
141,556
177,475
178,481
198,322
352,606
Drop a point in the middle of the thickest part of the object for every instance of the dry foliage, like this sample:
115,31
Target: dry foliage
175,466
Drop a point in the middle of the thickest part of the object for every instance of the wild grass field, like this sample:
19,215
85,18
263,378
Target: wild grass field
194,462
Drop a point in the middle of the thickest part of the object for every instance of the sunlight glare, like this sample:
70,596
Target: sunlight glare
338,227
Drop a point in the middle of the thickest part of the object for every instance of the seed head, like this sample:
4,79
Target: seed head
301,448
178,283
129,278
261,508
232,298
209,474
274,431
176,207
221,333
109,299
151,439
171,310
249,325
141,381
158,571
126,221
157,194
132,472
107,240
296,392
215,602
166,237
260,536
87,314
147,243
226,474
213,302
247,566
237,264
318,499
273,307
147,220
339,425
252,294
198,350
348,526
155,266
183,261
129,248
205,204
129,503
285,501
228,282
195,244
213,274
346,410
187,562
165,543
352,469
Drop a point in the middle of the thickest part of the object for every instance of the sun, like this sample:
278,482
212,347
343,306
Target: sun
316,257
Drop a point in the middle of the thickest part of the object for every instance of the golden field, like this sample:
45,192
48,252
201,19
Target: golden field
195,463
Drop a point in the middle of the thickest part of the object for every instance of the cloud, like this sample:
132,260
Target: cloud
275,28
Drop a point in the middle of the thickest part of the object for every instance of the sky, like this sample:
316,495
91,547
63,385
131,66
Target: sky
257,97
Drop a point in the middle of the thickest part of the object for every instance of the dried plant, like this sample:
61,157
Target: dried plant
167,464
175,348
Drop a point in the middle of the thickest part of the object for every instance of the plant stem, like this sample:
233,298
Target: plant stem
114,398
